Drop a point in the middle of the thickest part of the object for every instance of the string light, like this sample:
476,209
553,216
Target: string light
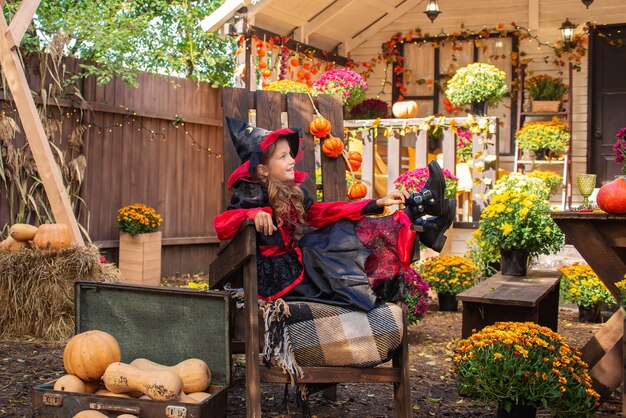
129,118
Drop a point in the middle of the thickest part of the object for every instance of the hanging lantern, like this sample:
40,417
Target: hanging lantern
432,10
567,32
587,3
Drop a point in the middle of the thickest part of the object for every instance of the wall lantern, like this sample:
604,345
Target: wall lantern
567,32
432,10
587,3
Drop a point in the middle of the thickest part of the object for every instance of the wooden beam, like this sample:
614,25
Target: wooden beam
22,19
325,15
222,14
37,140
386,20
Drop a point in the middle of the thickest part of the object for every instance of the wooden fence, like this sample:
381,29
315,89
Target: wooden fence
143,145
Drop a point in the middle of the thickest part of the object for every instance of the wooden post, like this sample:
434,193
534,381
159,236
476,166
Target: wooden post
37,140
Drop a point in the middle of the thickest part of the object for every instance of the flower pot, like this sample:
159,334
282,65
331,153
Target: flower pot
545,106
514,262
517,411
140,258
479,108
591,314
447,302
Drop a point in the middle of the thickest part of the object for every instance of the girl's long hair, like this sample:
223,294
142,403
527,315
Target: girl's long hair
281,195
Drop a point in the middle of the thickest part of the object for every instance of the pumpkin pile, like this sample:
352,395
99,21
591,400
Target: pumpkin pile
48,237
92,360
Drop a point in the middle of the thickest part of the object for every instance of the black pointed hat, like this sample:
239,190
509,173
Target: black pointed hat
250,141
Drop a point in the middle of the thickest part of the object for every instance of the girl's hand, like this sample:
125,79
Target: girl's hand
263,223
394,198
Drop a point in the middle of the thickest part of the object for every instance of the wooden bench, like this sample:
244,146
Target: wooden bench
534,297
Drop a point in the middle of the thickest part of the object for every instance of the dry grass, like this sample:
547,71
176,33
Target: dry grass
37,289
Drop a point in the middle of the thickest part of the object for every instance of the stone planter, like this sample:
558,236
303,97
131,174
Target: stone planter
140,258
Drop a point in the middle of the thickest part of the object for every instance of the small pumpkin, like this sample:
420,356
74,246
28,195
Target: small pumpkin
160,385
52,237
69,383
194,372
405,109
612,196
90,414
332,147
23,232
320,127
11,245
354,159
358,190
88,354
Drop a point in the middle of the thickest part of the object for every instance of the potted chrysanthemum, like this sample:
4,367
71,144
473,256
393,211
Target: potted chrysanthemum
449,275
520,366
477,84
416,298
546,138
348,84
140,244
414,180
519,224
582,286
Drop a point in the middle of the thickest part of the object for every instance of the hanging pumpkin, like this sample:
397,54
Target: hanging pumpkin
354,159
52,237
320,127
332,147
612,196
405,109
357,191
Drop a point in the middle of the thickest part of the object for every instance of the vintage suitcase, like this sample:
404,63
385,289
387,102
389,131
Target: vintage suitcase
163,324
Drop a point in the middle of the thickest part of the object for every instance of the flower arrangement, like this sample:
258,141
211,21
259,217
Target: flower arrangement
414,180
519,182
350,85
580,285
522,363
449,274
620,149
138,219
518,220
370,109
463,145
545,87
476,82
552,180
417,295
287,86
552,135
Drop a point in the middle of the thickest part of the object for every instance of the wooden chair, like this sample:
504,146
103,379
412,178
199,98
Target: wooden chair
236,260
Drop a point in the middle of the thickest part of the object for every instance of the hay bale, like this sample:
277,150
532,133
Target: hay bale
37,289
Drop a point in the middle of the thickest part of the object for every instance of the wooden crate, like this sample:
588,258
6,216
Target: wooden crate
162,324
140,258
545,106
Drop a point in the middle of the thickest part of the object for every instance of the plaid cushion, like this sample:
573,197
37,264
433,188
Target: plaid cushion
327,335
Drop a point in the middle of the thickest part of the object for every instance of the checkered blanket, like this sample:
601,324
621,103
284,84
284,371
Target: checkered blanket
327,335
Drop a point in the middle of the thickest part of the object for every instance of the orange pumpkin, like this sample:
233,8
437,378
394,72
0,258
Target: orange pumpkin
355,159
320,127
612,196
88,354
332,147
405,109
52,237
357,191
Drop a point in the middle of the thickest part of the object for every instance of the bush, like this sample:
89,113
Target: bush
417,295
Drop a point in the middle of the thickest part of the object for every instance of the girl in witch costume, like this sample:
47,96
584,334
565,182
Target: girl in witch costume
352,260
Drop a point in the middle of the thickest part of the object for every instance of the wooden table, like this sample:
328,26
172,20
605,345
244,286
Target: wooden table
534,297
600,238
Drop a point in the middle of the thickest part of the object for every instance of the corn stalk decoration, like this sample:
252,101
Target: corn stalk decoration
20,182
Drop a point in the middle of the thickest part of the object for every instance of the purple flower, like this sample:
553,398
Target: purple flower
620,148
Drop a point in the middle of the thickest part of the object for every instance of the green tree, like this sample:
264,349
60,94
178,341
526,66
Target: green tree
125,37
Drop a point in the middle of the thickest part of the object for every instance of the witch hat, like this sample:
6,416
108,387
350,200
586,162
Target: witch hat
250,141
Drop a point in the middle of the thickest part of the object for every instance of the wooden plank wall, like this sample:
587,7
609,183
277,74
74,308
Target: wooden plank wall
136,154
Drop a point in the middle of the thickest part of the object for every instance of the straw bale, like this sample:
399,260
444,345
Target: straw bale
37,289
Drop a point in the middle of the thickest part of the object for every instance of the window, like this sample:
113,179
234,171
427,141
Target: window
429,62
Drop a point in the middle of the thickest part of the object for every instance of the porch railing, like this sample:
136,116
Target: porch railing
413,133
